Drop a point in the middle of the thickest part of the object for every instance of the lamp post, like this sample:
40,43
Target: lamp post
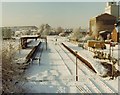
76,68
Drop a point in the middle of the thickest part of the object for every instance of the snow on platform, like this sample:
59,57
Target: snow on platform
56,74
21,55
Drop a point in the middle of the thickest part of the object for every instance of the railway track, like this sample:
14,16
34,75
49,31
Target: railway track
83,89
94,83
64,61
80,88
73,60
104,86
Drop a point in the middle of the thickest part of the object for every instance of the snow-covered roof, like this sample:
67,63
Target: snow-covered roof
102,32
30,36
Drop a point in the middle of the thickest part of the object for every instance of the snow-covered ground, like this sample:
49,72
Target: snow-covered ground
56,73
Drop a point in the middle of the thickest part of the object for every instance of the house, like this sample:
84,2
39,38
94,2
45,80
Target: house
66,32
115,35
101,22
6,33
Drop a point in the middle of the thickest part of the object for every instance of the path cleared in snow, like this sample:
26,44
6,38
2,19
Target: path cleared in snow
56,73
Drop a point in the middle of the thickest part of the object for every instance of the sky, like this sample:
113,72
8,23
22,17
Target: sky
64,14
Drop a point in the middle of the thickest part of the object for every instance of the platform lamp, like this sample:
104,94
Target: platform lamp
76,67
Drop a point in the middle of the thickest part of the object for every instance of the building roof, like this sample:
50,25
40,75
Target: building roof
30,36
103,15
101,32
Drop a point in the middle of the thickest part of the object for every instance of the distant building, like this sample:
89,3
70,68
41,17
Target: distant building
24,30
112,8
67,31
115,35
18,33
6,33
101,22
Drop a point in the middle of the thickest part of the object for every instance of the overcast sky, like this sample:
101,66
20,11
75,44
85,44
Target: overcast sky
64,14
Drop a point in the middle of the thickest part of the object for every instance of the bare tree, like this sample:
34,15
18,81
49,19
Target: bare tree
10,71
59,30
76,35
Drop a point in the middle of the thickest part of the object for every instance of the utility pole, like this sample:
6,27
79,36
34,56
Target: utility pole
76,68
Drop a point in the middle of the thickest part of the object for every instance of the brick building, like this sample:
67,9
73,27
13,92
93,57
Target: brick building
102,22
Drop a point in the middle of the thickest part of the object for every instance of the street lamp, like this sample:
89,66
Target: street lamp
76,68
